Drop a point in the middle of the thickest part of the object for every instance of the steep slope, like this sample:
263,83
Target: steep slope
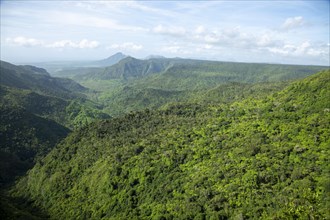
265,159
58,99
23,138
37,111
38,80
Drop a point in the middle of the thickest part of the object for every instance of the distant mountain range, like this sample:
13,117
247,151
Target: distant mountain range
178,68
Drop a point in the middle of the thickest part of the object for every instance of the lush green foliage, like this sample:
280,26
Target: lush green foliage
264,158
58,99
133,84
169,73
23,138
132,98
34,108
38,80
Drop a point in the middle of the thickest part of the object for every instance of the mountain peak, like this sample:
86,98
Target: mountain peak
118,54
115,58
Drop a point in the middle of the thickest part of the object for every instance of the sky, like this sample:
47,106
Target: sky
292,32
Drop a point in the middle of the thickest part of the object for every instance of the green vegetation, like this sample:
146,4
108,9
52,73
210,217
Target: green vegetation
133,84
58,99
24,137
36,112
258,158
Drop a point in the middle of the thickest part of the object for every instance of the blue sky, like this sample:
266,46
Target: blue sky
248,31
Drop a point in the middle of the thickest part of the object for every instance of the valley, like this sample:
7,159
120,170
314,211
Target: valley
165,139
164,110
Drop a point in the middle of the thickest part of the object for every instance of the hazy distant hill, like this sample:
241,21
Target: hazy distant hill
61,68
110,60
169,72
128,67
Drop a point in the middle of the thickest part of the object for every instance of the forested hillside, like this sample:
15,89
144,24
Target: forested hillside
263,158
38,80
37,111
134,84
173,69
59,99
24,137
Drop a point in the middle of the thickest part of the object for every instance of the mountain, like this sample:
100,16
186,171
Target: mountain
111,60
134,84
61,100
38,80
36,112
170,72
65,68
261,158
128,68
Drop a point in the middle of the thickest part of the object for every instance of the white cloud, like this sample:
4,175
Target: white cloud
266,40
212,38
32,42
294,22
25,42
126,46
172,49
83,44
207,46
303,49
200,29
172,31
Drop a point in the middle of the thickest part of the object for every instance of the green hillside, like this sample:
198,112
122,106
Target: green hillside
263,158
133,84
23,138
36,112
190,75
38,80
59,99
170,72
127,68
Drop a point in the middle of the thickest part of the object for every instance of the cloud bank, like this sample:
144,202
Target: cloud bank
62,44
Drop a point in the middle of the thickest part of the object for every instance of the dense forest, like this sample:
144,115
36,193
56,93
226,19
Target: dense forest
37,111
133,84
189,140
164,110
